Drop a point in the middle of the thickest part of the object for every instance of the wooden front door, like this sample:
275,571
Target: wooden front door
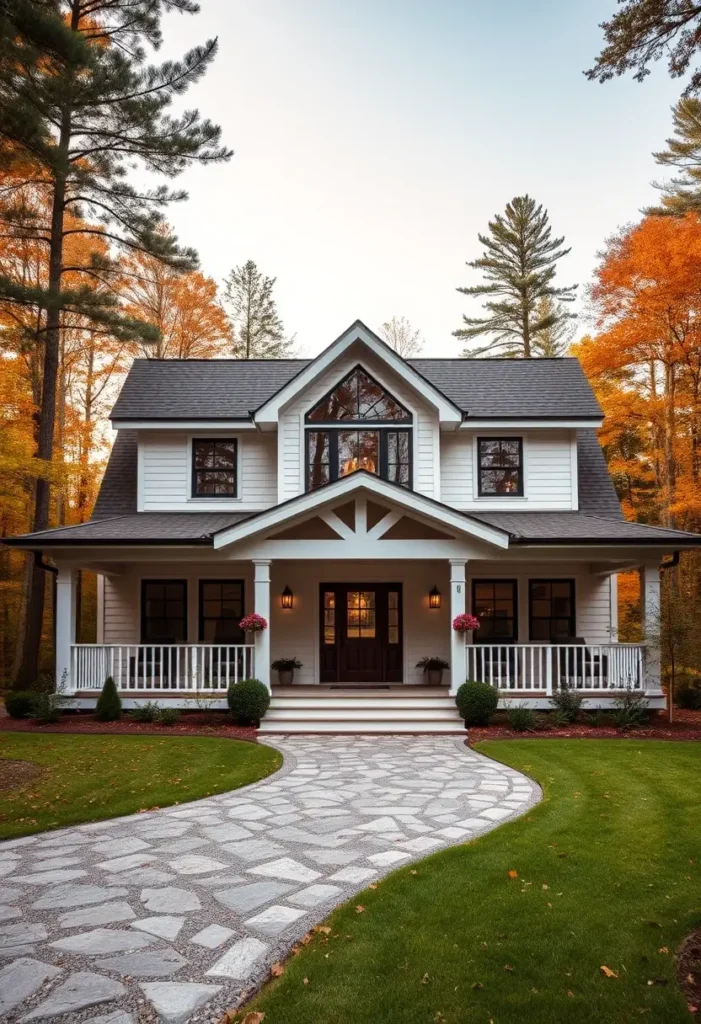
361,633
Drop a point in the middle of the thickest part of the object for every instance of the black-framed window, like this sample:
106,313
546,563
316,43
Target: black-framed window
332,454
500,466
358,397
551,609
221,610
163,611
214,467
495,604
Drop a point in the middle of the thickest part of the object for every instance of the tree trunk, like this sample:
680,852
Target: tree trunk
28,667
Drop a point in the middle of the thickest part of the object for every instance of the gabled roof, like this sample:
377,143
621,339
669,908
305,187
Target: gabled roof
235,389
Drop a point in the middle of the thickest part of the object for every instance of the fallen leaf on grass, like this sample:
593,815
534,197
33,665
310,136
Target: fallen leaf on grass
570,994
513,874
477,985
277,970
253,1018
305,981
373,885
657,981
323,929
608,972
425,980
509,968
360,909
663,949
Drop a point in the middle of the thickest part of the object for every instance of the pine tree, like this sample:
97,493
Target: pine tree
80,107
258,331
644,31
682,194
552,341
109,704
402,337
519,269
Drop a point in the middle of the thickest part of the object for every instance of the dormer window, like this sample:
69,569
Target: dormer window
500,467
214,467
371,437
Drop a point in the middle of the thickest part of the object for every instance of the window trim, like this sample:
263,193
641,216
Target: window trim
409,419
194,496
573,601
520,493
142,610
496,641
382,431
200,606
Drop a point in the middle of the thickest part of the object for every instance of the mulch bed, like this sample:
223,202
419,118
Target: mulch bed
686,726
193,723
17,773
689,970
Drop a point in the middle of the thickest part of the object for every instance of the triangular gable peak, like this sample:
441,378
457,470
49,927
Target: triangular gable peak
355,342
360,516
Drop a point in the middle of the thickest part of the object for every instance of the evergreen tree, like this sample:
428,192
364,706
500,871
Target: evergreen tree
109,704
80,107
519,269
682,194
644,31
402,337
258,331
552,341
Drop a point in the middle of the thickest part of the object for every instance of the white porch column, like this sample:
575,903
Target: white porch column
65,627
261,589
650,607
458,665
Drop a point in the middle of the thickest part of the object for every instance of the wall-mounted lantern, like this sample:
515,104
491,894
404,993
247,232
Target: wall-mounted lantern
286,598
434,598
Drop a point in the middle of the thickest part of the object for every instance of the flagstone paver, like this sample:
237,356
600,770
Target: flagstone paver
193,904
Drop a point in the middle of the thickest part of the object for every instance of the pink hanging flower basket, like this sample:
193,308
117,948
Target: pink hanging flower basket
465,623
253,623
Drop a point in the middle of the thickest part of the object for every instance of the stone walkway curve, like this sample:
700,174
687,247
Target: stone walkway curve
174,914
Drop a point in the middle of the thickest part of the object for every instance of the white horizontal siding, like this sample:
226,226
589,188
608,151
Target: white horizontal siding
549,469
291,443
166,473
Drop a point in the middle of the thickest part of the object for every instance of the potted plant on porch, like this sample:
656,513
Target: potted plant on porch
285,668
433,667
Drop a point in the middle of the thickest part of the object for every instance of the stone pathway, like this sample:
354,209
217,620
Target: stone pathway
172,915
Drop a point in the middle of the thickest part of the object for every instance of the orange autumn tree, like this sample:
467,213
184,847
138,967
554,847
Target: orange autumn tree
645,365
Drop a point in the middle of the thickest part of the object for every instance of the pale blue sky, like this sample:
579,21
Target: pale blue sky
374,139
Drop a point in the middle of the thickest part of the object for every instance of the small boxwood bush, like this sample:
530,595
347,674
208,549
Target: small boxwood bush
168,716
521,718
147,712
476,702
19,704
568,702
248,701
109,704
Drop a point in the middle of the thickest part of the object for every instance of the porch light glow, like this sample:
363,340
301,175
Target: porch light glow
434,598
286,598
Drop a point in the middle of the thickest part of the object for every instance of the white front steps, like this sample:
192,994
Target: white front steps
371,712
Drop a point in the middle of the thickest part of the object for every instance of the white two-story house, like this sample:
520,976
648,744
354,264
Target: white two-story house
359,502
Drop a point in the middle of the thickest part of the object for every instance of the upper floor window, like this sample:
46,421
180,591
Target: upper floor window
358,397
500,466
332,454
214,468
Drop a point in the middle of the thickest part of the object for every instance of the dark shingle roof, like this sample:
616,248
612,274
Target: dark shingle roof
142,527
504,388
192,389
596,491
580,528
118,488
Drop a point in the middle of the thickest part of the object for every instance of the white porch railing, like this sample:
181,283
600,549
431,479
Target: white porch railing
528,667
171,667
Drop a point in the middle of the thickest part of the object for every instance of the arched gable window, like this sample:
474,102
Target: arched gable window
381,446
358,397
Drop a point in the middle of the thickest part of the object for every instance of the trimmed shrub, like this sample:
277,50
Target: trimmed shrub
248,701
168,716
631,710
476,702
19,704
521,718
46,707
147,712
567,702
109,704
688,696
558,719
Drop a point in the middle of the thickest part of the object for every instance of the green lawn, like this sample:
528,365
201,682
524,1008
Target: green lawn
609,873
86,778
